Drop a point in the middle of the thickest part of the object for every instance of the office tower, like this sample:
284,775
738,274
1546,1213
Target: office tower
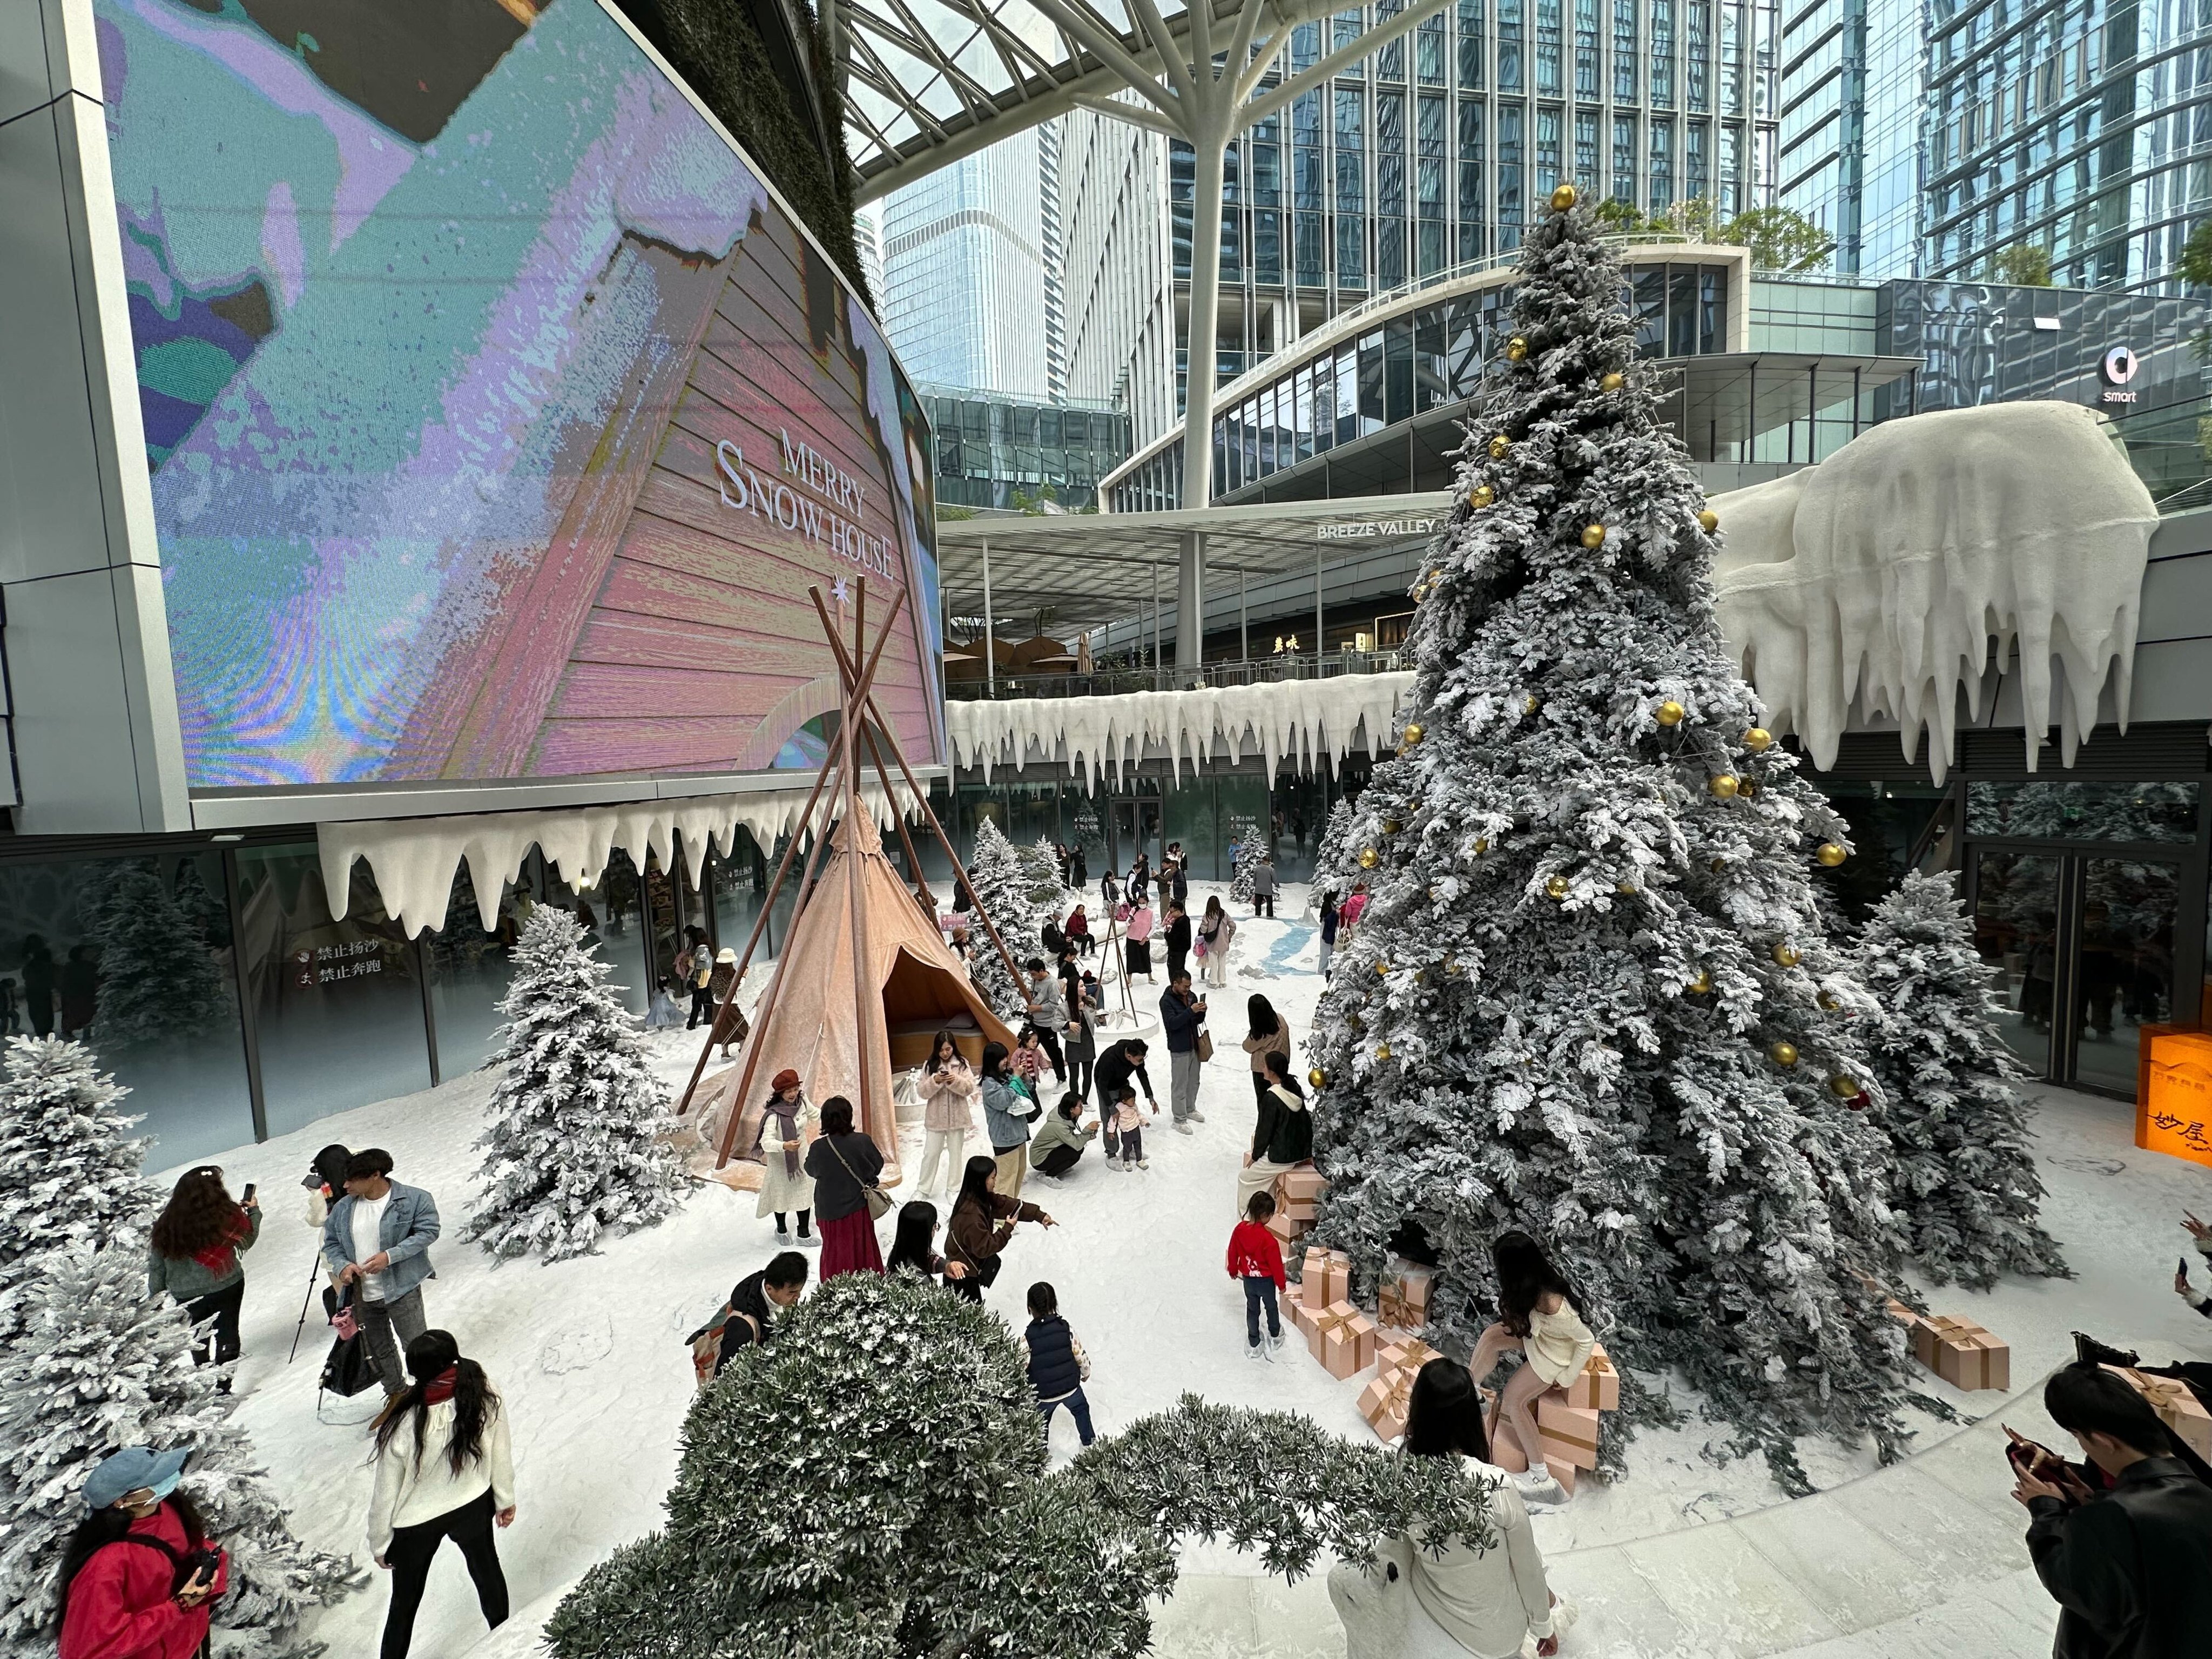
2075,131
971,289
1437,151
1852,81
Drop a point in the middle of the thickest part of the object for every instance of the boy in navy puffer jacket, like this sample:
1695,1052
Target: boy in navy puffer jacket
1057,1364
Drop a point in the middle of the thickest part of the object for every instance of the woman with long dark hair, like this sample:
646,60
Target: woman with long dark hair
913,1246
193,1256
787,1119
948,1092
983,1222
1008,1111
1283,1138
845,1164
1538,1317
1268,1033
445,1468
139,1576
1216,932
1457,1598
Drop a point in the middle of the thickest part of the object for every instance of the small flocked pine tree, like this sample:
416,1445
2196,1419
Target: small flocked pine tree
158,979
69,1169
1333,869
1590,997
207,913
1966,1182
574,1150
96,1365
1245,860
1005,883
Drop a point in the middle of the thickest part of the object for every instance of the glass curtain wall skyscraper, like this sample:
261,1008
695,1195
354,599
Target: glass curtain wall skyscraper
1440,149
2082,129
1853,75
972,293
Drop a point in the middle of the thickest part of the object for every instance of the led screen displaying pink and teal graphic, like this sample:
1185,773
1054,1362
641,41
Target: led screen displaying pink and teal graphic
499,418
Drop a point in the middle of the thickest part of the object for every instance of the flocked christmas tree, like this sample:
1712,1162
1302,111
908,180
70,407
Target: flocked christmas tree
158,978
69,1171
1333,865
1966,1182
1245,859
1590,997
574,1151
92,1366
1005,883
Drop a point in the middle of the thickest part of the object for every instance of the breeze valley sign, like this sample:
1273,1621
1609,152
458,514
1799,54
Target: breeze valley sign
1376,530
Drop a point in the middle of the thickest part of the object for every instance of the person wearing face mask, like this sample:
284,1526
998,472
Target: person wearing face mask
139,1576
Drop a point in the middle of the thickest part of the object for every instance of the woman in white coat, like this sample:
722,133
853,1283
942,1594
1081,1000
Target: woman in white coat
950,1090
786,1123
1462,1601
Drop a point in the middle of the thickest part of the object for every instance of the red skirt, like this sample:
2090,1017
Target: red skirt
848,1245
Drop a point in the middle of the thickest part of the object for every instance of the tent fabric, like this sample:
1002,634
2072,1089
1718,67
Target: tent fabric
814,1026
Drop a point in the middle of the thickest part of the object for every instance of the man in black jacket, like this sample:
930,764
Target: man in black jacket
1121,1061
1178,941
1181,1014
2128,1568
755,1301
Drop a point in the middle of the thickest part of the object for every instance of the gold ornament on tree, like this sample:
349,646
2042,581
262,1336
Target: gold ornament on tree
1481,496
1626,888
1831,854
1613,382
1557,887
1593,536
1747,788
1786,954
1700,985
1382,1051
1844,1085
1724,786
1783,1054
1369,857
1531,703
1414,734
1318,1077
1757,739
1564,198
1516,348
1828,1002
1708,521
1499,445
1670,713
1391,826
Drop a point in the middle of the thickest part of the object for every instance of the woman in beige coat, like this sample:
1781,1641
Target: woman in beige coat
949,1093
1270,1034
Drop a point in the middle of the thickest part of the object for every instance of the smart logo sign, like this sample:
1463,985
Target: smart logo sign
2118,368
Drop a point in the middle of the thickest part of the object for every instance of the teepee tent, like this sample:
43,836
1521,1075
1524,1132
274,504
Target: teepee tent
814,1020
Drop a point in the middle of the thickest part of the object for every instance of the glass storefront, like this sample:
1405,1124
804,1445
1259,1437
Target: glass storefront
217,985
2016,931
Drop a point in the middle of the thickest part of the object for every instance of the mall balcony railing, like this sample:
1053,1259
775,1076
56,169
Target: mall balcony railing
1110,679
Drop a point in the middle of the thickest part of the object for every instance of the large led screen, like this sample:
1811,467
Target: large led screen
499,419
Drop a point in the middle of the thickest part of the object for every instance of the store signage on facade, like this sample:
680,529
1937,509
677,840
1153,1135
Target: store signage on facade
2118,368
1369,530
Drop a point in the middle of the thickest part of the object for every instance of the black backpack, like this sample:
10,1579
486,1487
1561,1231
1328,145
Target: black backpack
348,1369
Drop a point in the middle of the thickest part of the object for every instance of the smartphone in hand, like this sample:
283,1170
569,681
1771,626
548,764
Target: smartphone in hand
250,1189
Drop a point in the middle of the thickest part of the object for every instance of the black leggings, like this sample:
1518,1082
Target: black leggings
1060,1160
221,1306
412,1551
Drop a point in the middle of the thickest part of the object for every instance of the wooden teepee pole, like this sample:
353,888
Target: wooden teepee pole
865,1018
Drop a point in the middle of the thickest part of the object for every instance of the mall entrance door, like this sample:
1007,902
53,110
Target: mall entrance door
1135,823
2080,952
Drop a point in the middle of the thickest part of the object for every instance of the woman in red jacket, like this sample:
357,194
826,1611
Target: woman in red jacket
140,1574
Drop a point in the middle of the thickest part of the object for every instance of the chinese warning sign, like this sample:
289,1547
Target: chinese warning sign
2175,1114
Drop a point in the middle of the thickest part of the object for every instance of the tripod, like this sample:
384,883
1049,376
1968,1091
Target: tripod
315,1272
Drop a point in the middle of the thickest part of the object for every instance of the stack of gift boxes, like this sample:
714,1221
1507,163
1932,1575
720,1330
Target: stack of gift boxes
1959,1350
1298,1196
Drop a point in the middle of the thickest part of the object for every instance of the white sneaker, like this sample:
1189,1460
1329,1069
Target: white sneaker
1183,1126
1144,1164
1197,1116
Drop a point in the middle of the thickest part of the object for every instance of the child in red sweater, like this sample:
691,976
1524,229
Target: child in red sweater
1255,1258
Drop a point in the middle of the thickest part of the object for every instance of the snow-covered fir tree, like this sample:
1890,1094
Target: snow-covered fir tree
1005,881
1245,859
1590,997
94,1365
957,1540
1333,867
1965,1182
207,913
574,1150
1040,870
69,1169
158,979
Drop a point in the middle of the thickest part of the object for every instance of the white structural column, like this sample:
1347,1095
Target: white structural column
1190,605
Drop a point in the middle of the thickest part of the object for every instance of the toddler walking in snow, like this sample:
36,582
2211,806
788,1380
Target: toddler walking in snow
1129,1127
1057,1365
1256,1258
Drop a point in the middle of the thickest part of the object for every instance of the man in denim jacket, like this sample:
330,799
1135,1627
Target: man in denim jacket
377,1240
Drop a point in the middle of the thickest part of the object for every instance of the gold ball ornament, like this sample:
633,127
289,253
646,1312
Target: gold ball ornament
1369,857
1709,520
1627,889
1745,788
1828,1002
1499,447
1718,865
1557,887
1783,1054
1391,826
1843,1086
1481,845
1613,382
1831,854
1451,970
1318,1077
1381,967
1565,198
1516,348
1699,986
1757,739
1670,713
1481,496
1531,703
1414,733
1382,1051
1593,536
1786,954
1724,786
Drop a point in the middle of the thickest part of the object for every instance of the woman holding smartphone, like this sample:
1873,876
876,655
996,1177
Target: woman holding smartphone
196,1242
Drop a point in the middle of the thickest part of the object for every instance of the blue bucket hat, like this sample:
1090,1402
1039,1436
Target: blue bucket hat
127,1471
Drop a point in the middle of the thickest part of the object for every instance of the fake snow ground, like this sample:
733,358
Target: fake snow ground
588,1353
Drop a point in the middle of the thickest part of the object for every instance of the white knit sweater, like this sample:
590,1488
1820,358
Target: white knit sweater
408,1494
